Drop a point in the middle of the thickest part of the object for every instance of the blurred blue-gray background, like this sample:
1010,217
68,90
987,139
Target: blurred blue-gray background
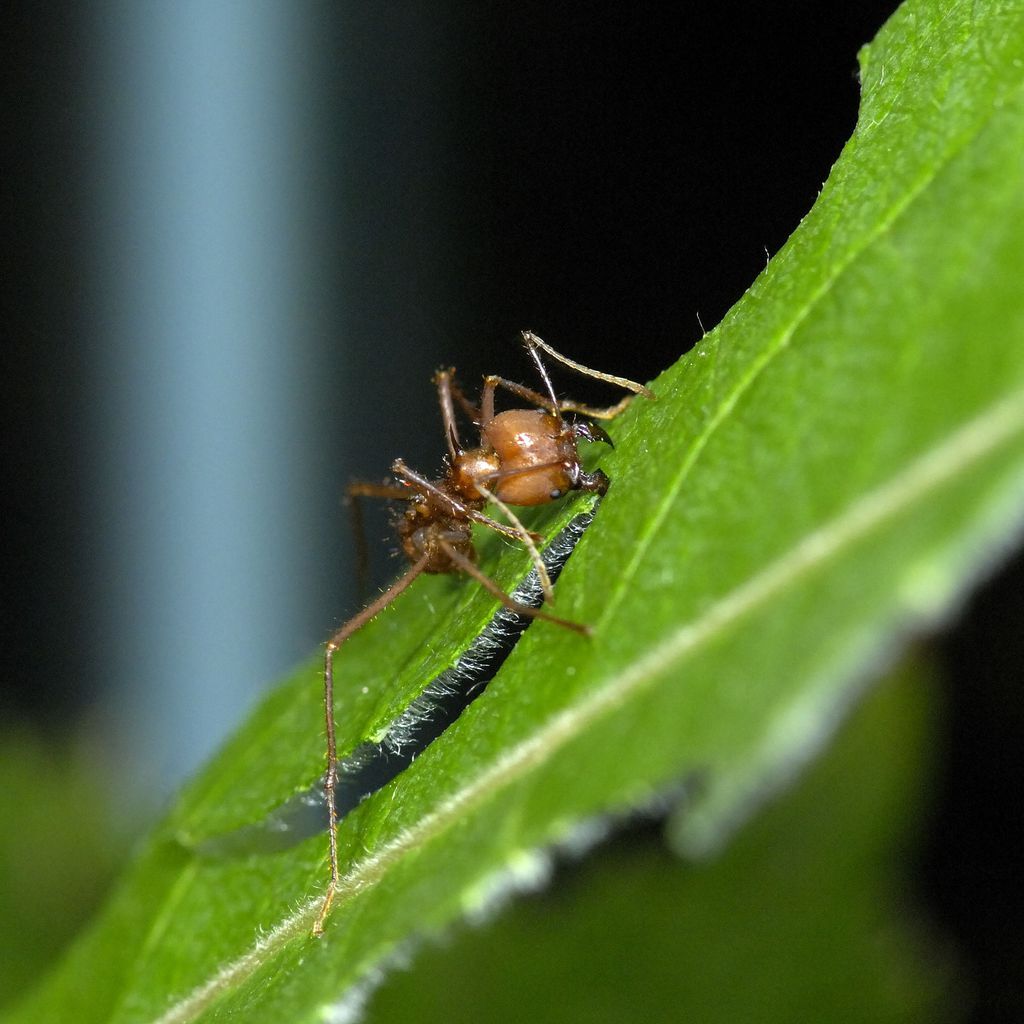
245,235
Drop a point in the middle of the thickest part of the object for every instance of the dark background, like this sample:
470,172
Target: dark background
602,175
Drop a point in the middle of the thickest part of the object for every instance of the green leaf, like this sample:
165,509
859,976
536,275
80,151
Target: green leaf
806,907
46,896
827,472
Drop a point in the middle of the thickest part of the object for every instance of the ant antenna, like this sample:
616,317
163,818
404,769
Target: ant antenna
531,341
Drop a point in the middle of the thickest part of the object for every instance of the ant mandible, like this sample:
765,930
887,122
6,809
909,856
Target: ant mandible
525,457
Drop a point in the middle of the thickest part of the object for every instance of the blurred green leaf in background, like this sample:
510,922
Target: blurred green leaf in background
48,891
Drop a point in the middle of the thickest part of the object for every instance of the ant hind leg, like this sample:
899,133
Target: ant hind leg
331,778
354,492
470,569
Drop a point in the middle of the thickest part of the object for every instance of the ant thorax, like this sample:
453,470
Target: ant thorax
470,468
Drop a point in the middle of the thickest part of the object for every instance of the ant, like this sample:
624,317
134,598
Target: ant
524,457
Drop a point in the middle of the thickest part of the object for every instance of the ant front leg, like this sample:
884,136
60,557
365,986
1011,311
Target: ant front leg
493,382
470,569
449,393
446,386
470,408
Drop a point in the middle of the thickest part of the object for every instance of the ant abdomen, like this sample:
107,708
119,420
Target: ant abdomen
434,541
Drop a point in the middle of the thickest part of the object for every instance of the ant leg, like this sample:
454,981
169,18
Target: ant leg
470,569
331,778
527,539
492,383
471,410
448,392
392,492
487,401
425,486
444,379
353,492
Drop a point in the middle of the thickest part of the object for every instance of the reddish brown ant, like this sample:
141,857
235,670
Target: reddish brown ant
525,457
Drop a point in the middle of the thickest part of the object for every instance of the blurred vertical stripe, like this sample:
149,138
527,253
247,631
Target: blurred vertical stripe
213,332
